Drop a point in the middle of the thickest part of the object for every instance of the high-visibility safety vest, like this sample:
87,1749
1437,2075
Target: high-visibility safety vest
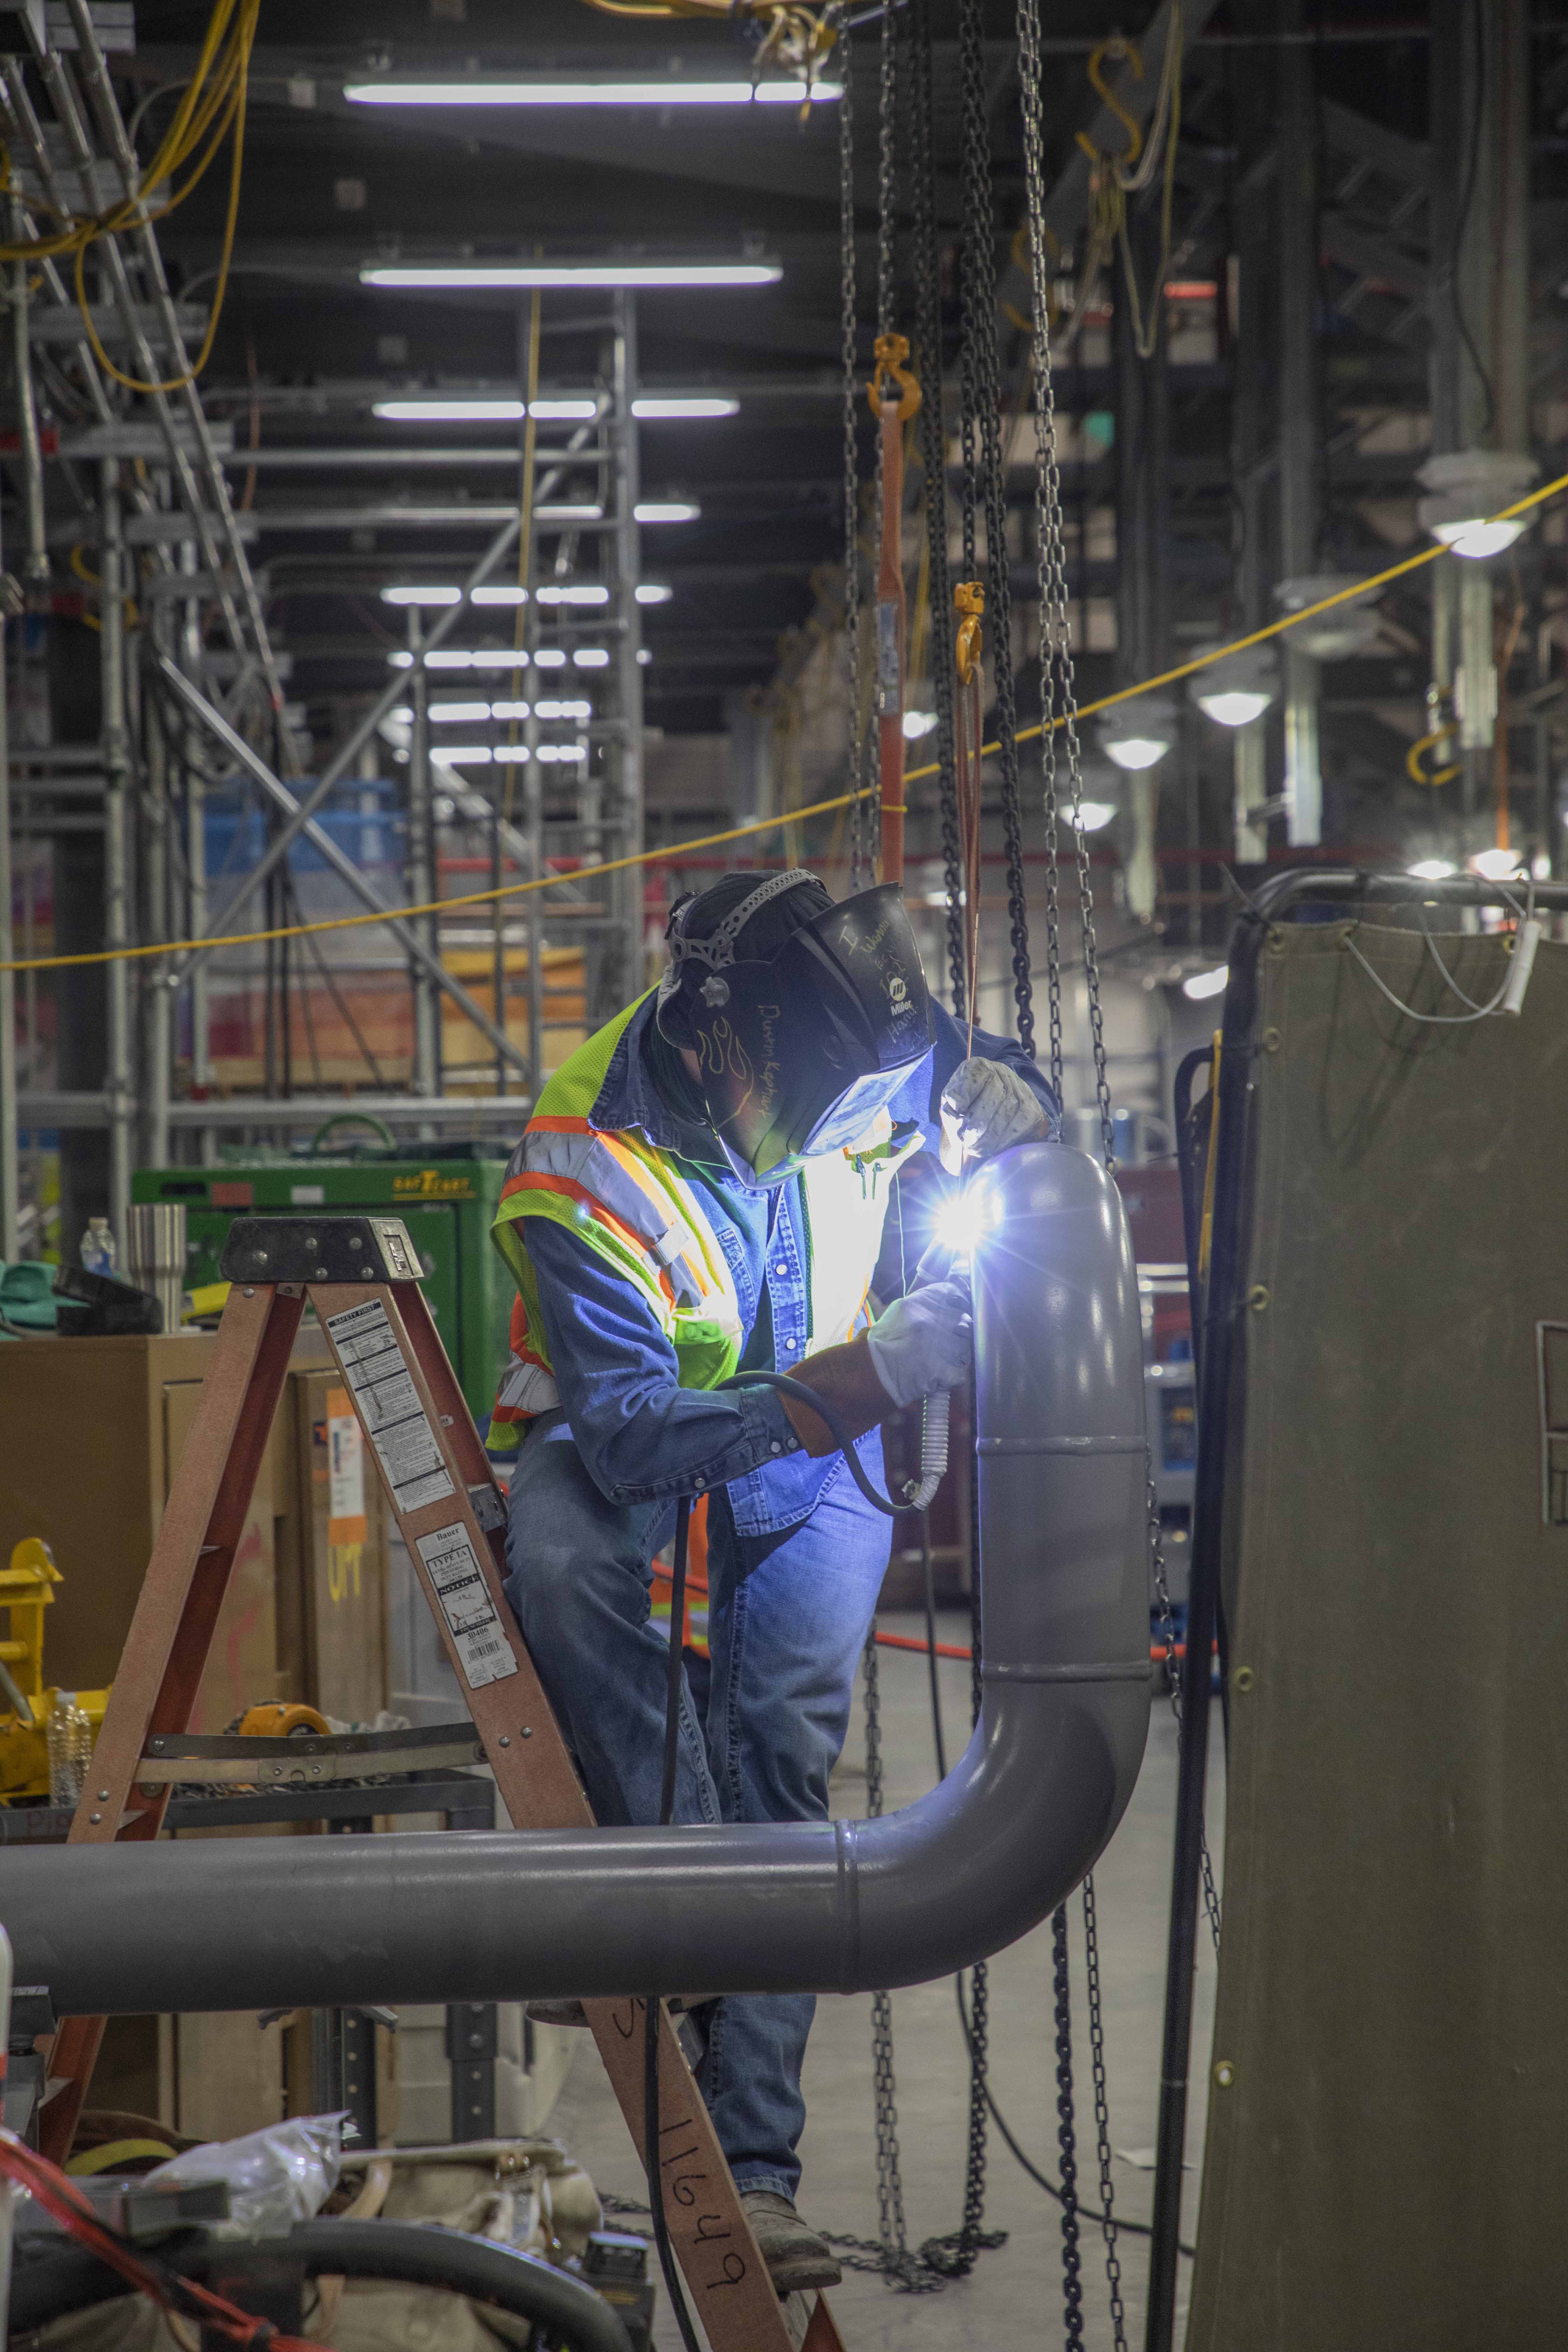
627,1200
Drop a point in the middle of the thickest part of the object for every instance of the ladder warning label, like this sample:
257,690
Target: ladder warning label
466,1603
386,1397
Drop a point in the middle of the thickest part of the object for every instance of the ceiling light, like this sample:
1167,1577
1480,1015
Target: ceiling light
416,594
1199,984
590,657
549,657
918,723
1345,629
458,714
1095,815
1469,486
659,409
508,711
477,277
472,92
472,658
1432,869
561,709
644,658
651,592
512,755
668,510
1138,733
478,411
1236,689
587,594
469,755
564,752
1496,864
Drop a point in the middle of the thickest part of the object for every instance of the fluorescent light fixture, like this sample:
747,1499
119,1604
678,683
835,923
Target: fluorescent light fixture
471,657
1096,815
1138,733
653,592
644,658
459,410
467,755
1347,629
657,408
587,594
1199,984
668,510
549,657
458,714
415,594
1497,865
590,657
1432,869
479,277
389,91
564,752
552,709
508,711
918,723
511,755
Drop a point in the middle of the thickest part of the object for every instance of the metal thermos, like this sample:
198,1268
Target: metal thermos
155,1254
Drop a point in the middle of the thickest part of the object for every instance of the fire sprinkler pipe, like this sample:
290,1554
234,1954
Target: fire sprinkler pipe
826,1906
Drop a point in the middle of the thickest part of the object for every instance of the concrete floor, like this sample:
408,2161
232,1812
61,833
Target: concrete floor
1013,2296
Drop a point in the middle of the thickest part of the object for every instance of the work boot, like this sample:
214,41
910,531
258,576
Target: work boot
796,2257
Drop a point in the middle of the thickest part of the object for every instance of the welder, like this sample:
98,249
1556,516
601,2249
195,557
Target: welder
702,1191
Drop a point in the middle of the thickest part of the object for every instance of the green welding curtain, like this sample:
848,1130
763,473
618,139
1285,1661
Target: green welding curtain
1386,2168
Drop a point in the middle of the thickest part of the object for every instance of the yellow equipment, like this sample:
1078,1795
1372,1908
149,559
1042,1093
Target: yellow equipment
27,1590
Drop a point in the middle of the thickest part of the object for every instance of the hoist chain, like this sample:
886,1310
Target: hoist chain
1173,1671
980,332
1102,2114
927,262
1072,2282
848,325
1058,695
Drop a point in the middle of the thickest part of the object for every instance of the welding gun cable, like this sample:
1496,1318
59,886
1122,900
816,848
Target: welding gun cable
827,1413
654,2008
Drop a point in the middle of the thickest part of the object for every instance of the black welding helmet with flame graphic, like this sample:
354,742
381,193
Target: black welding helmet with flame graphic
804,1030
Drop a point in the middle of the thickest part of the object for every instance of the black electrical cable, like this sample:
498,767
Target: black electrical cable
654,2008
823,1411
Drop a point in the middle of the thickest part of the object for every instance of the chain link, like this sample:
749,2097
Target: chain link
1058,693
984,408
1072,2284
1173,1683
1102,2114
848,311
927,260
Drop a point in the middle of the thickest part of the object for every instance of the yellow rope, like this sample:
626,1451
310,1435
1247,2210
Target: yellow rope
676,850
679,849
1257,636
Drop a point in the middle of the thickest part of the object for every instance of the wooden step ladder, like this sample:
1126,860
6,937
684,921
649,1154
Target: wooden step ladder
361,1275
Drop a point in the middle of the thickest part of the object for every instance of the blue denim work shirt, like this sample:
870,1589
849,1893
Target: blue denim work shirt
642,1436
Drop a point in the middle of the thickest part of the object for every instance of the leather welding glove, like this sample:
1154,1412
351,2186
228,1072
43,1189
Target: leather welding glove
985,1107
920,1345
923,1342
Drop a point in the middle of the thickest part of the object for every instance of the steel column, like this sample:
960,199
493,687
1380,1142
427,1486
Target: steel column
10,1198
623,976
1300,491
118,1086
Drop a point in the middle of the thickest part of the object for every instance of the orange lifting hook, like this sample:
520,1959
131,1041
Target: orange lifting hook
969,598
891,352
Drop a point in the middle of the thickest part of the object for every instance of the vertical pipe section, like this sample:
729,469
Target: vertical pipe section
10,1198
197,860
1299,427
1215,1361
118,1083
419,862
627,747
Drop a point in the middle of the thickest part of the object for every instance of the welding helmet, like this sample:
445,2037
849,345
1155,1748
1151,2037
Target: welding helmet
804,1024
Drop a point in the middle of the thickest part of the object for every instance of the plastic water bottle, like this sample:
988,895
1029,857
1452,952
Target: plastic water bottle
99,1255
68,1735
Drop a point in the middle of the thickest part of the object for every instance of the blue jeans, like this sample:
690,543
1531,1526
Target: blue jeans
787,1620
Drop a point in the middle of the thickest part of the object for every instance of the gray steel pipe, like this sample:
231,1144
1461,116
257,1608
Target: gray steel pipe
828,1906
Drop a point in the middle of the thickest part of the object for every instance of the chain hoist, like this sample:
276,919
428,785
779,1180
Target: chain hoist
849,317
927,266
982,408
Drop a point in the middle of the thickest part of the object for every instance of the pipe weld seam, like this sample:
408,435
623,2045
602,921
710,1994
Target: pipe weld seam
848,1902
1112,1670
1085,1445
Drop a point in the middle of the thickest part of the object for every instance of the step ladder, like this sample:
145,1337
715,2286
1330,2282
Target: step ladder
361,1275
